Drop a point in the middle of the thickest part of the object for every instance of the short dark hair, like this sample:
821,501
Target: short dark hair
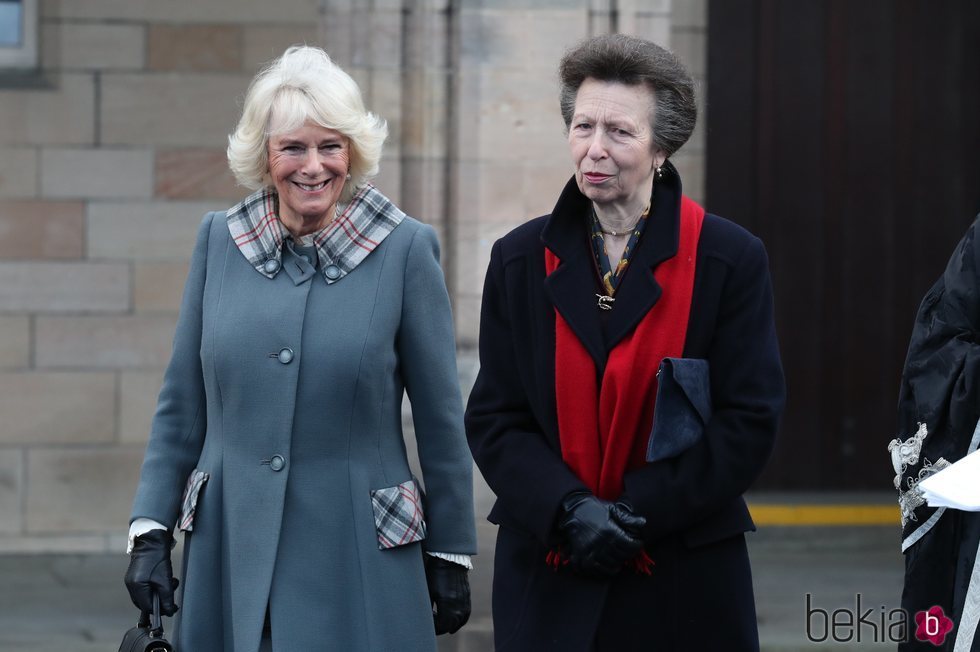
632,61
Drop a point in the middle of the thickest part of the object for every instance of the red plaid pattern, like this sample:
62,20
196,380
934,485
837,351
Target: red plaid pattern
360,226
188,504
398,515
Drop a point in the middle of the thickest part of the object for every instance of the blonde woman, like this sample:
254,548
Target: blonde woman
277,448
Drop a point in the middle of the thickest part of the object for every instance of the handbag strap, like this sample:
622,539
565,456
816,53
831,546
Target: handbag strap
156,622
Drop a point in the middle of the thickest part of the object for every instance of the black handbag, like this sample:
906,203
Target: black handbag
147,636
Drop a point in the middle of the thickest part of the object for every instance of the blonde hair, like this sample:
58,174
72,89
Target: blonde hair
304,84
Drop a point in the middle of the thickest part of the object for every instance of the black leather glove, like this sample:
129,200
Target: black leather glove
150,571
449,590
600,536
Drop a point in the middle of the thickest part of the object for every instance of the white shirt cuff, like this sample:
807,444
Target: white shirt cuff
462,560
141,526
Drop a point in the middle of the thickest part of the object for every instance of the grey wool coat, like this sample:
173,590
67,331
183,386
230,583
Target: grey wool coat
279,419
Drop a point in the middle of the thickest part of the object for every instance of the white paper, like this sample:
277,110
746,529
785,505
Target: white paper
957,486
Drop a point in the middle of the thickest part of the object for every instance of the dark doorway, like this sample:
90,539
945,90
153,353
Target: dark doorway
847,136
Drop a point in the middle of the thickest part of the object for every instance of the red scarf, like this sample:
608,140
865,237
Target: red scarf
604,430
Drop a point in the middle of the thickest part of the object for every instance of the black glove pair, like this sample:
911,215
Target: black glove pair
150,571
449,590
599,536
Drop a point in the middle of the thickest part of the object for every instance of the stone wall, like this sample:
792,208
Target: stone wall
111,154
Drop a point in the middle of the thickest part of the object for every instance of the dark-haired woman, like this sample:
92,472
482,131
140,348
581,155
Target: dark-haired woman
597,548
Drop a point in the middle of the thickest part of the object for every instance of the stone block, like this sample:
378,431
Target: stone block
18,172
121,342
469,276
41,229
648,6
601,22
57,407
338,38
515,111
385,40
196,173
521,40
491,191
15,341
690,166
689,13
64,287
494,38
75,490
194,47
145,231
57,544
384,93
158,287
476,6
537,132
389,177
96,173
170,109
423,183
653,27
692,48
544,182
137,403
262,44
92,46
466,311
551,34
61,114
469,105
256,12
11,490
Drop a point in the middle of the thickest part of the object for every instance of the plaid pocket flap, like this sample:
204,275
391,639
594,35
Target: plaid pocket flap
188,504
398,514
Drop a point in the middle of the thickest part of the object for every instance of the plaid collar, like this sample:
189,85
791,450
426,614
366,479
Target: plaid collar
361,225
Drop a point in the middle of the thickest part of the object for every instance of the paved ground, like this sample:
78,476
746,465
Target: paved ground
52,603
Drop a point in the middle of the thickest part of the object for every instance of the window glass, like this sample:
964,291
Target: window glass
11,23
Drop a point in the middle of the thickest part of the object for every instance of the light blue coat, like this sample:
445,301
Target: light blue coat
299,536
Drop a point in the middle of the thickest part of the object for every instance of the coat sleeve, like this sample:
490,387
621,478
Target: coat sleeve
525,472
427,359
748,393
179,424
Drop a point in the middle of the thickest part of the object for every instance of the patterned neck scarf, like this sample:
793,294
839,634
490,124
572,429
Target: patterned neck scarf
610,276
360,226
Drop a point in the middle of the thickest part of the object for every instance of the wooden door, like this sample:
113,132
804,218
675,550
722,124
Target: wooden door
847,136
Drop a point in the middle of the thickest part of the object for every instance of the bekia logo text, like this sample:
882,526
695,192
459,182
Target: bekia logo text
879,625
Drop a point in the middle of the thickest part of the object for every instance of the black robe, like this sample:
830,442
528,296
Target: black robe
940,400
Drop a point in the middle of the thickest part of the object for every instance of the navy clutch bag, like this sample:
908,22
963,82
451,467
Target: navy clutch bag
683,407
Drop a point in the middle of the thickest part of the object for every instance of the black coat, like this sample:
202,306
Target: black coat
941,389
700,593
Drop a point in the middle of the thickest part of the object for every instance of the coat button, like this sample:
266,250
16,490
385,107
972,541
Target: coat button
277,463
332,272
306,259
285,355
271,266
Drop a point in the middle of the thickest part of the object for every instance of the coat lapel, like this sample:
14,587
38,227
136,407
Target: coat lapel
573,286
639,291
